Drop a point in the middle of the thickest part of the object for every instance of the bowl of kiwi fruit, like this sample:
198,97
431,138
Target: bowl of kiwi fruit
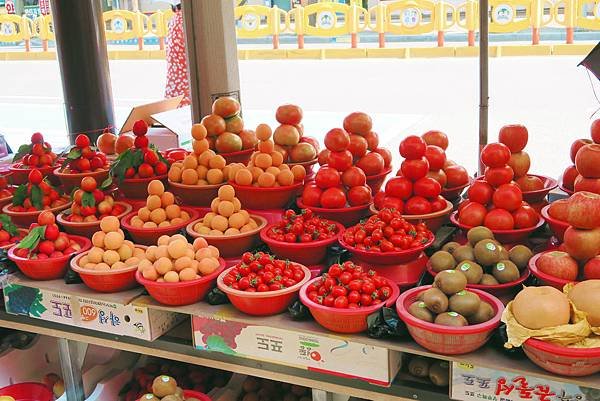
514,236
487,264
446,317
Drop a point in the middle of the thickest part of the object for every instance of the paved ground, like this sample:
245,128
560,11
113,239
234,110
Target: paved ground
550,95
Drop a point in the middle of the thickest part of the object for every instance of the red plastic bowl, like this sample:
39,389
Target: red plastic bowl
502,236
137,188
348,321
48,269
149,236
20,174
305,253
448,340
28,392
499,289
24,219
558,227
376,181
87,229
70,181
5,201
106,281
266,198
386,258
450,194
562,187
22,231
405,275
347,216
183,292
241,156
193,394
546,279
231,245
433,220
564,361
539,195
262,303
194,195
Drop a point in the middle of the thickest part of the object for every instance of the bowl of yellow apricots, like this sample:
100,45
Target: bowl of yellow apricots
228,227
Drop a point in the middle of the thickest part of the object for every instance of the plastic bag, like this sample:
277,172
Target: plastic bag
72,277
499,338
385,323
298,311
217,297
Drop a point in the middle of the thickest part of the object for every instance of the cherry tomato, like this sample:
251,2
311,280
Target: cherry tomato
328,300
338,291
354,297
341,302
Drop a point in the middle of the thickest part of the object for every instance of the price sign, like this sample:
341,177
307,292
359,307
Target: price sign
10,6
44,7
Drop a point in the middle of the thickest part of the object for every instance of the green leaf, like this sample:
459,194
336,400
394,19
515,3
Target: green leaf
74,153
20,195
23,150
36,197
88,199
106,183
8,225
121,165
33,238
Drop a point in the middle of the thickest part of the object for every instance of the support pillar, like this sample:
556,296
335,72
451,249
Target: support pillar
83,60
71,355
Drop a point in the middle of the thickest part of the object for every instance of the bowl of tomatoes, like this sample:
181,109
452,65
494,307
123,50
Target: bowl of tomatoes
342,299
433,220
386,238
451,194
347,216
302,238
503,236
256,198
376,181
261,285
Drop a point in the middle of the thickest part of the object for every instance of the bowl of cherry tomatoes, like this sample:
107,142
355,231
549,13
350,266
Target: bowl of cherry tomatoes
386,238
302,238
342,299
261,285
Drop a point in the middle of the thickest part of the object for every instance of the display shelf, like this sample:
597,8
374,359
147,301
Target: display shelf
177,345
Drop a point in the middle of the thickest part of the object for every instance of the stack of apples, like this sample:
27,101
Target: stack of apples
443,170
37,154
496,201
585,175
225,127
36,195
289,136
83,158
90,203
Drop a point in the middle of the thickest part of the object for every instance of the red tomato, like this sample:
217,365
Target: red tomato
415,169
456,176
438,204
399,187
480,192
358,145
497,176
359,195
473,214
378,199
387,156
499,219
514,137
333,198
327,177
495,155
417,205
568,177
323,157
311,196
435,156
427,188
372,163
412,147
525,217
354,177
391,202
508,197
437,138
341,161
337,140
439,176
462,205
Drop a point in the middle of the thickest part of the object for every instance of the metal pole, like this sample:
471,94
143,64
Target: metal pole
71,361
83,60
483,77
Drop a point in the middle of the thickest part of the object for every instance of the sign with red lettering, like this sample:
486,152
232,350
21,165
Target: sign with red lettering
44,7
10,6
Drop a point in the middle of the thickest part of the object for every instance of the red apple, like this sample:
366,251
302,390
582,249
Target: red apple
514,136
569,176
576,146
559,209
587,184
520,163
439,176
591,270
529,183
587,161
456,176
595,131
582,244
437,138
584,210
558,264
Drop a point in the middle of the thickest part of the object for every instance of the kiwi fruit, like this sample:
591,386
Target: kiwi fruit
419,366
476,234
520,256
435,300
505,271
163,386
451,319
450,281
439,373
472,270
450,247
503,252
464,302
464,252
149,397
487,252
483,314
442,260
488,279
419,310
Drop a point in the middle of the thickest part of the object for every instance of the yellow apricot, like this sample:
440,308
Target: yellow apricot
188,274
150,273
263,132
201,171
151,253
237,205
163,265
173,211
200,243
109,223
167,199
243,177
226,193
214,205
144,263
214,176
102,267
144,214
118,265
225,208
256,172
263,160
214,251
252,223
139,253
266,146
184,216
182,263
285,178
110,257
95,255
202,230
156,187
207,266
266,180
231,231
190,162
158,216
113,240
165,223
149,224
232,171
162,251
98,239
152,203
203,253
124,252
177,237
177,249
205,157
189,177
216,233
284,167
219,223
132,261
299,172
277,158
273,170
198,131
171,277
246,228
200,146
237,220
174,174
84,261
217,161
163,240
136,222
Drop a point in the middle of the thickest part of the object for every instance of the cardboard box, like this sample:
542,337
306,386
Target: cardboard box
77,305
312,351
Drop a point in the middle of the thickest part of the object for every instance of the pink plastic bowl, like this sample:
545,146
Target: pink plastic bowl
433,220
149,236
305,253
558,227
87,229
257,198
28,392
70,181
20,174
502,236
137,188
193,394
348,216
345,320
48,269
544,278
386,258
448,340
183,292
539,195
376,181
24,219
242,156
194,195
451,194
262,303
564,361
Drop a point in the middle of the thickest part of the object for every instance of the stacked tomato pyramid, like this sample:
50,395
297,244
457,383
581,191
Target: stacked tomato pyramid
584,174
